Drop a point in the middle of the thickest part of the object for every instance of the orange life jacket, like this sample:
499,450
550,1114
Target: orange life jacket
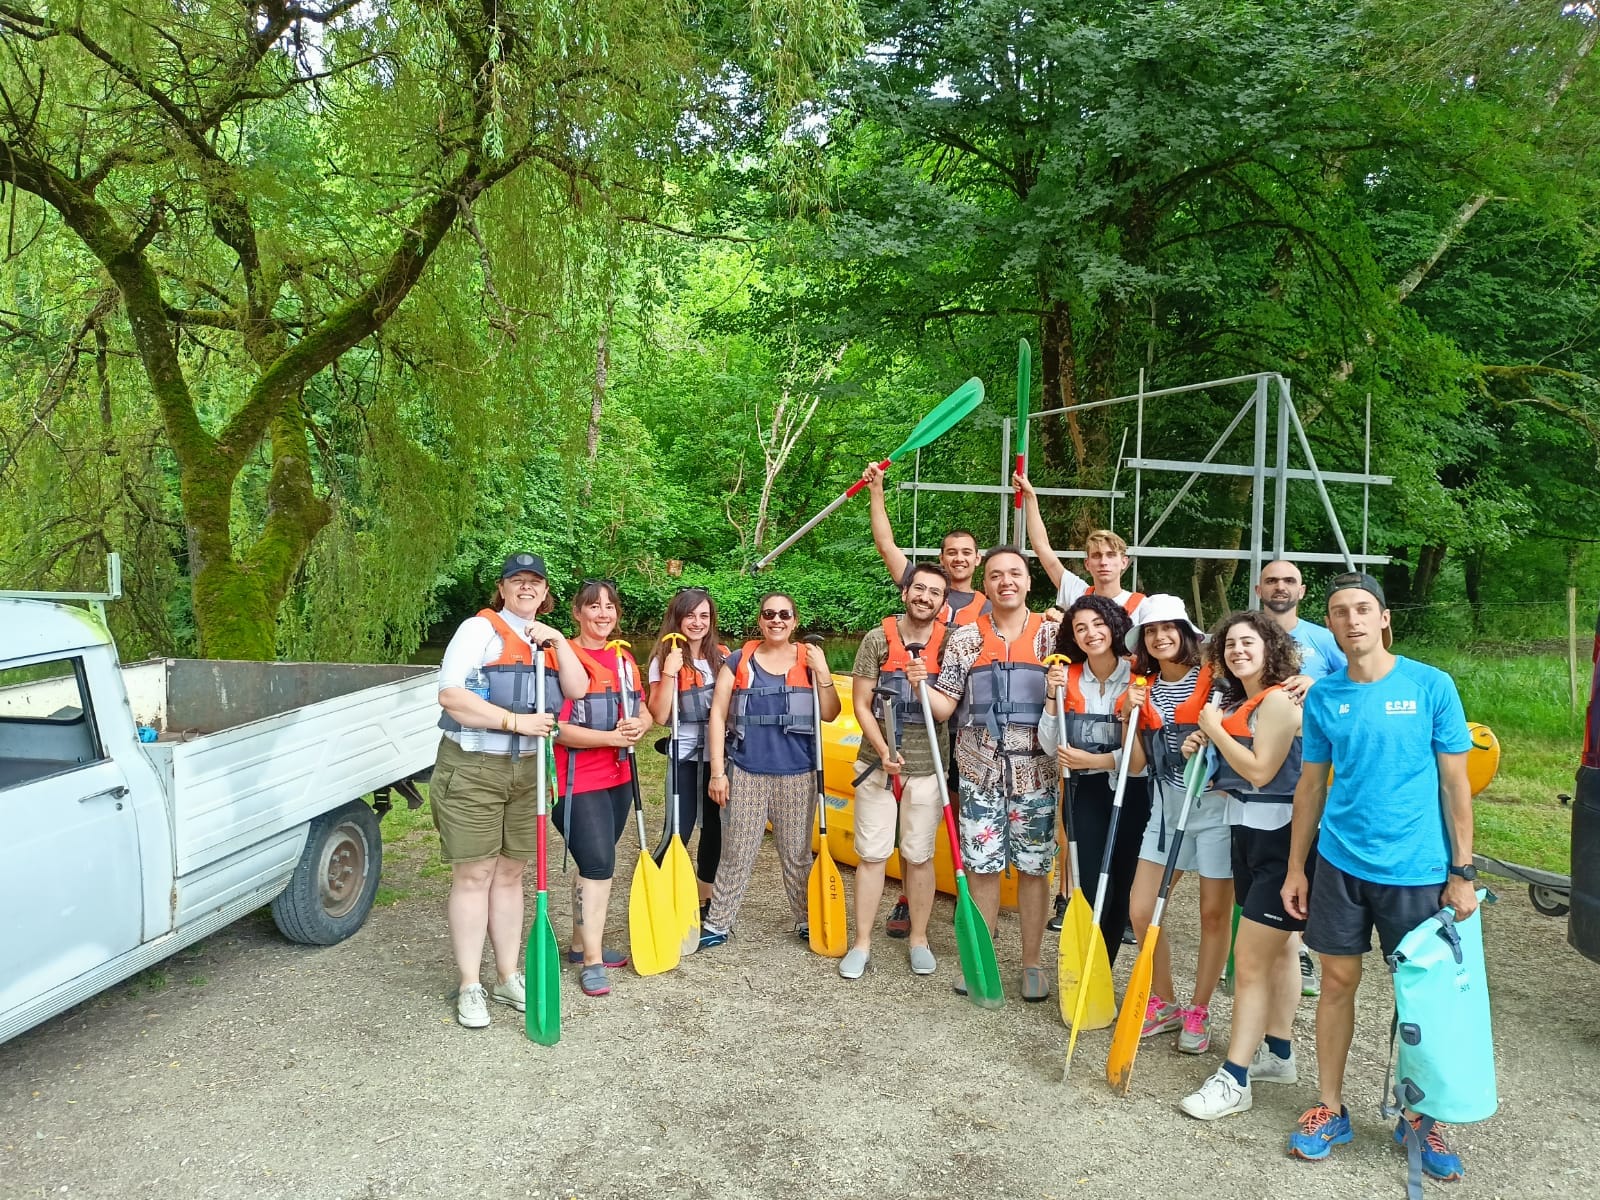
968,612
1007,683
799,708
892,675
1185,720
1280,787
601,706
1096,733
694,699
1132,602
511,676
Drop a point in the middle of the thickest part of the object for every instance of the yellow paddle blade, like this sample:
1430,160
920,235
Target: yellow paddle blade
830,935
685,892
653,935
1130,1021
1082,942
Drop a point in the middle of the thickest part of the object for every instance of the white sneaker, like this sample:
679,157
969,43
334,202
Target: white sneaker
1218,1096
513,992
1267,1067
1308,975
472,1007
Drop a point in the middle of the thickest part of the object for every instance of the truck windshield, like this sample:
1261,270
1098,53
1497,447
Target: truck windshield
45,724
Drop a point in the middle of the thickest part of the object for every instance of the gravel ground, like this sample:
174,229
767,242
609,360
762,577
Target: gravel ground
251,1067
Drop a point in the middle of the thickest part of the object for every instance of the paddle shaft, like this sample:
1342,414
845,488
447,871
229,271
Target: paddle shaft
1116,816
633,761
672,746
816,738
540,777
1024,388
1067,787
938,772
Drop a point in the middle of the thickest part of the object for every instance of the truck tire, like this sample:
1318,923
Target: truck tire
331,891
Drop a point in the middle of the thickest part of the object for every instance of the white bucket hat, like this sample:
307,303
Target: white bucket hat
1153,610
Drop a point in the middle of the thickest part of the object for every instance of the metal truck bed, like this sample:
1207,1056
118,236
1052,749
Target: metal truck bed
248,750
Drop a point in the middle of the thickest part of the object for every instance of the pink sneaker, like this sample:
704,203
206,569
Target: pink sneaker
1160,1016
1196,1035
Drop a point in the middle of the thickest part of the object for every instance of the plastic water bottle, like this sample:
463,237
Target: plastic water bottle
478,684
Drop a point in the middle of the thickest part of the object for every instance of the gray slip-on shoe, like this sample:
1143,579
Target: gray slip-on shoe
922,961
854,964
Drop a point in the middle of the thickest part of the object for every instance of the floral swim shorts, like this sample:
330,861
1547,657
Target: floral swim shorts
1000,830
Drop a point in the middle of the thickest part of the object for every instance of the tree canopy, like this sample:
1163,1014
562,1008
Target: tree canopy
314,311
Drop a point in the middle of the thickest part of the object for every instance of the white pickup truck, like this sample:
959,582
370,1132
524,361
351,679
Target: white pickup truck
116,852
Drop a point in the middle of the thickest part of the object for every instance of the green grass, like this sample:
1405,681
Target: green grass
1525,698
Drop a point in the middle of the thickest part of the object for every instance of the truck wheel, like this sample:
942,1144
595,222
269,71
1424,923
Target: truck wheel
331,891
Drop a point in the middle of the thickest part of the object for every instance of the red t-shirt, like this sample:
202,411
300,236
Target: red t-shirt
599,767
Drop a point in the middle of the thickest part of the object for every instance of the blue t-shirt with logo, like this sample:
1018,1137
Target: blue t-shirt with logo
1383,821
1320,655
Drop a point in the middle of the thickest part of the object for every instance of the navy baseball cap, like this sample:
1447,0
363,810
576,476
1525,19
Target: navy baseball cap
517,563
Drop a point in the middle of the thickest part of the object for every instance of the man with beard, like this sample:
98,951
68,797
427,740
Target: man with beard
1281,589
896,785
963,602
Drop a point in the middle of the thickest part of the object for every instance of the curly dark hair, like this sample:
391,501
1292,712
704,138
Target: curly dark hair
1109,611
1282,654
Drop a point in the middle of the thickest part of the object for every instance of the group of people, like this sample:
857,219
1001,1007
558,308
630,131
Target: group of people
1272,699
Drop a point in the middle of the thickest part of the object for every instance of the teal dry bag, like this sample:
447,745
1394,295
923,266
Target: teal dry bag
1444,1068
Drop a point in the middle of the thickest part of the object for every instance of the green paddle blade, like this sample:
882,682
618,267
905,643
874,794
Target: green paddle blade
1195,772
543,977
975,947
1024,389
949,413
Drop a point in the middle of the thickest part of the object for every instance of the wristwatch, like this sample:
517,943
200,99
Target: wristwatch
1468,872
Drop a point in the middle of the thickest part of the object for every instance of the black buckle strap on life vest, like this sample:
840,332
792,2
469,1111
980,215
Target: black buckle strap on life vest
798,717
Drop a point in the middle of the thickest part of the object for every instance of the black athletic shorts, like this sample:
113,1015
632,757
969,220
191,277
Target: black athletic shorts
1344,911
1260,862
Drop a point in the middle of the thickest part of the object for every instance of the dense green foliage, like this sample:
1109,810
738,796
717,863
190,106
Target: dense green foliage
313,314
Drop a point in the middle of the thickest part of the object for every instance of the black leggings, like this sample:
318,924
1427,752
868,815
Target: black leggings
694,780
598,819
1091,818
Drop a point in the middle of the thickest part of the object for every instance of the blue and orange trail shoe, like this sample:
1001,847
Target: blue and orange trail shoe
1438,1160
1319,1131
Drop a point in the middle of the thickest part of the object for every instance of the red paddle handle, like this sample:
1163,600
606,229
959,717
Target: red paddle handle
955,837
861,483
539,850
1016,495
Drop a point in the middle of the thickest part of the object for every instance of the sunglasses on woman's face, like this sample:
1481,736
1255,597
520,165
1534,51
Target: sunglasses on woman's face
777,614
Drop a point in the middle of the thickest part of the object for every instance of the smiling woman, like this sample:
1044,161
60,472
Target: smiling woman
484,788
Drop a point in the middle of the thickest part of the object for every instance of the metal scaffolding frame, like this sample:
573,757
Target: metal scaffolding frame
1266,387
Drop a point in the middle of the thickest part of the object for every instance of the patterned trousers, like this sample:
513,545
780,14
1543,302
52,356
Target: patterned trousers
790,803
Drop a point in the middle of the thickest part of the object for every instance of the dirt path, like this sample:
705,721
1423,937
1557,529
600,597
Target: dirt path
265,1069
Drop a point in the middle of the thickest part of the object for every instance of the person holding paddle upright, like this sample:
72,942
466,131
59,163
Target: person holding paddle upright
993,675
1094,682
1256,736
761,750
484,788
964,601
688,655
895,781
1166,647
594,778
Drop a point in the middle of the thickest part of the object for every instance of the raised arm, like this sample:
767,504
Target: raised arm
1038,536
882,531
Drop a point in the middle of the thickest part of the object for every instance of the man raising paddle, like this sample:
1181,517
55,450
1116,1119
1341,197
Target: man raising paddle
895,780
958,555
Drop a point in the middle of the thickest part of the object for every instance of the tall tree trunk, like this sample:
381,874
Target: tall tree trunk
1473,568
1429,562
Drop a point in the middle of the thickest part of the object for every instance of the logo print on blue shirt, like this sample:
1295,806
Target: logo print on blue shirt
1400,707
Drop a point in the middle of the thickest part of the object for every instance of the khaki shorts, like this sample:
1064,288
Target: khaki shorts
484,805
920,809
